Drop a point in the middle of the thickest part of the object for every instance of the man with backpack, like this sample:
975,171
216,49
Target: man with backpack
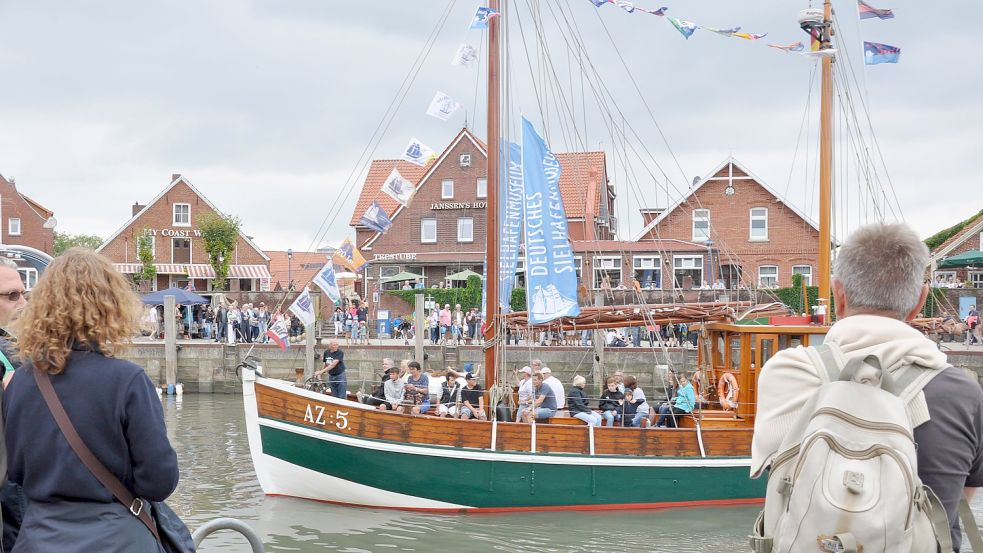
841,427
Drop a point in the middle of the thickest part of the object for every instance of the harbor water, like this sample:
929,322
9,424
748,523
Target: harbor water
217,479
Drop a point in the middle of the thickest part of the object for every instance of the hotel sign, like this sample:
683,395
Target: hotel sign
459,205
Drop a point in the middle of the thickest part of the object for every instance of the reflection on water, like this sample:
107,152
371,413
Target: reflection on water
217,479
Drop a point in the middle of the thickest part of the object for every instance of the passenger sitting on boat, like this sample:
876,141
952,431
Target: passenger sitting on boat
525,391
450,396
682,404
635,403
612,402
472,399
544,406
557,386
378,396
615,339
394,391
619,377
579,405
417,390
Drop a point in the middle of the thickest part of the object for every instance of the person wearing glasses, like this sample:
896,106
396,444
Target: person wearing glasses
13,299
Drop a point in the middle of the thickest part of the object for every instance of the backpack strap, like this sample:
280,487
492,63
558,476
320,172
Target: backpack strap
932,506
826,361
911,381
969,525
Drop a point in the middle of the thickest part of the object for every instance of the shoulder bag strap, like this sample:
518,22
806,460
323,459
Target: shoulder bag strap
6,362
969,525
97,469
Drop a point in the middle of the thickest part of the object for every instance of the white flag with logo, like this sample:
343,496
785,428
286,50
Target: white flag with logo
442,106
325,280
466,55
303,307
417,152
399,188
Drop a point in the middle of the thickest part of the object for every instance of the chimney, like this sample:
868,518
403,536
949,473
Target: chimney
649,214
137,208
175,176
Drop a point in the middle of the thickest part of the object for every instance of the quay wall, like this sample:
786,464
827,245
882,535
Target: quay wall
210,368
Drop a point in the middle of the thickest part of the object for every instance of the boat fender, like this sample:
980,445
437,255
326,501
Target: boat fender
727,391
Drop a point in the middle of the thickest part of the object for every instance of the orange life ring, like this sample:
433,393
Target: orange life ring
727,391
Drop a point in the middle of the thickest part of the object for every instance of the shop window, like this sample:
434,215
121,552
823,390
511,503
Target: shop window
428,231
482,191
447,189
767,276
701,225
647,270
246,285
465,229
609,267
180,250
182,215
687,271
805,271
759,223
13,226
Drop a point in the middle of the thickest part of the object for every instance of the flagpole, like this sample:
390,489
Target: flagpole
491,208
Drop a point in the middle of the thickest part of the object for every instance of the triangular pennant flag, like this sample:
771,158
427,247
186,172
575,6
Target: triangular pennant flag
279,332
687,28
749,36
599,3
325,280
417,152
398,188
442,106
465,56
869,12
627,6
794,47
303,307
375,218
481,17
661,11
875,53
725,32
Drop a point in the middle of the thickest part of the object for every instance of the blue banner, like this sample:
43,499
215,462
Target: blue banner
551,275
511,204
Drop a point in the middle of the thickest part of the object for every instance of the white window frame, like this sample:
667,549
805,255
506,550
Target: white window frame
460,237
604,264
386,271
11,230
191,252
974,279
174,214
687,263
701,215
423,235
29,275
759,217
579,260
981,241
647,263
444,193
805,276
762,277
481,188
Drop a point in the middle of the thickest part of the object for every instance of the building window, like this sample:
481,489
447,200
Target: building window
805,271
759,223
182,215
701,225
607,272
648,271
975,280
447,189
29,276
580,266
246,285
180,250
465,229
388,271
687,271
767,276
482,191
428,231
13,226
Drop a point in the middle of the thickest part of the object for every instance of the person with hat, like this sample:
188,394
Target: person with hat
557,387
525,391
393,390
472,399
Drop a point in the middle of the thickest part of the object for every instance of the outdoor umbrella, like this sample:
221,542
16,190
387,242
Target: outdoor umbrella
972,258
181,297
399,277
463,275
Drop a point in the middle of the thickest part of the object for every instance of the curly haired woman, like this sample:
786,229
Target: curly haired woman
81,314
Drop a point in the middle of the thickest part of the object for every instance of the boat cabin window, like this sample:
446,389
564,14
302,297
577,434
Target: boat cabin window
786,341
735,353
719,348
647,270
805,271
768,276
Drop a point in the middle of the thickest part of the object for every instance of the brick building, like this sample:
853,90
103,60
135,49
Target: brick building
969,239
26,231
442,231
750,237
170,220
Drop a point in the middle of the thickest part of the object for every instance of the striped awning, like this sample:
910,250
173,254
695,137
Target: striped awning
249,271
201,271
128,268
162,268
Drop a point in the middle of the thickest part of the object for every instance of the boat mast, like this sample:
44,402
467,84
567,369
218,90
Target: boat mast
825,157
492,230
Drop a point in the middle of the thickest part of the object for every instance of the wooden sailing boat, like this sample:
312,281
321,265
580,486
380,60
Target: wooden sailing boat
309,445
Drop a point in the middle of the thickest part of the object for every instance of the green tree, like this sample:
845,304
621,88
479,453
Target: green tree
220,233
63,241
145,251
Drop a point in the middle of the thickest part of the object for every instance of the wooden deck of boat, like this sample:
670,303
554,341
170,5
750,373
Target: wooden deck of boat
731,440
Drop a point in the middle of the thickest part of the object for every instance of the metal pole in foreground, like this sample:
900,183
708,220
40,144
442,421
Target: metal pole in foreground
170,342
418,337
309,351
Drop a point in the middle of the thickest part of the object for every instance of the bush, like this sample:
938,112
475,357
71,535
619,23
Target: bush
792,296
468,297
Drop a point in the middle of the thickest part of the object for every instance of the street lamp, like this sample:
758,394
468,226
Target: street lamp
290,259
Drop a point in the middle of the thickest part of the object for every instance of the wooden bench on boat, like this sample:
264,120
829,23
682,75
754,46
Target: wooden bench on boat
716,418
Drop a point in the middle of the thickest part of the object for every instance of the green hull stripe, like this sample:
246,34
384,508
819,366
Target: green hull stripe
491,484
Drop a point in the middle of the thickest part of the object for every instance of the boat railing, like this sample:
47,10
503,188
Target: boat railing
233,524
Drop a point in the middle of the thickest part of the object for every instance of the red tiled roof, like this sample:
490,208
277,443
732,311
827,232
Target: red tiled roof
302,268
372,186
575,169
650,246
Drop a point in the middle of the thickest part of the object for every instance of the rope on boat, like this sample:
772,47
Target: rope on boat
699,437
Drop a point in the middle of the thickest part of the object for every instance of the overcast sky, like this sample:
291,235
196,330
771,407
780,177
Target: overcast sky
266,105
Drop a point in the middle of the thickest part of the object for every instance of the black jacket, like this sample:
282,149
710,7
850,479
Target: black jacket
577,401
609,400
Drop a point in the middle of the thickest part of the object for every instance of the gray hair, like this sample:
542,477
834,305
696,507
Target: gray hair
579,381
7,262
881,267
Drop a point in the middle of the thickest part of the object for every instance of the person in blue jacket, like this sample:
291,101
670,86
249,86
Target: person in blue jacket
81,314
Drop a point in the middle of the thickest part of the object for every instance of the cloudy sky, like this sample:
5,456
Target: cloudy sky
266,106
